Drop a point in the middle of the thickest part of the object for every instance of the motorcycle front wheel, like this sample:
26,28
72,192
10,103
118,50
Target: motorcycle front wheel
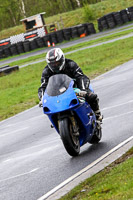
70,140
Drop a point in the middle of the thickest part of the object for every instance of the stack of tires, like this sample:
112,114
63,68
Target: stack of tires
33,45
90,29
117,18
67,33
124,16
59,36
7,52
1,53
39,42
102,24
20,47
26,45
13,49
52,38
81,30
114,19
130,13
74,32
46,38
110,20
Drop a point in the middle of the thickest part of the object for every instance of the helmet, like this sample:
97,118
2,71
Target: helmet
56,60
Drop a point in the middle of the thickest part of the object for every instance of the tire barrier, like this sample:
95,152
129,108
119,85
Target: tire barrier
74,32
118,18
52,38
20,47
1,53
66,33
114,19
81,30
40,42
26,45
110,20
7,52
107,21
124,16
46,38
130,13
13,49
90,28
33,44
59,36
7,70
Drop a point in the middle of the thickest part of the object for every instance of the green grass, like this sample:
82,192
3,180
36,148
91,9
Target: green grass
19,89
115,182
76,17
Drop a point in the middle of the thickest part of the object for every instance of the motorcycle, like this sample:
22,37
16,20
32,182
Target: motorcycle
70,114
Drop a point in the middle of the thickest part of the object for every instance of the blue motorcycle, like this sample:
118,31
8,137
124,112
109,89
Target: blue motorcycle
70,114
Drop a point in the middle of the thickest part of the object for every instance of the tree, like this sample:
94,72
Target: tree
22,8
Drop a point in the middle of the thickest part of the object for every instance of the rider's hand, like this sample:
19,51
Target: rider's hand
82,93
40,103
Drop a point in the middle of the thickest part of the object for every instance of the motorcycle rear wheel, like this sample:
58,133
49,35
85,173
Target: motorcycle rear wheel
70,141
96,137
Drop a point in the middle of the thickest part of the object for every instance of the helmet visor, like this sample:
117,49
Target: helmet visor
56,65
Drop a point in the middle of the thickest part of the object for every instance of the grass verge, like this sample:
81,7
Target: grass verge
112,183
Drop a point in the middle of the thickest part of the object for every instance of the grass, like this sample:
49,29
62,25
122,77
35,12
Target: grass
76,17
19,89
112,183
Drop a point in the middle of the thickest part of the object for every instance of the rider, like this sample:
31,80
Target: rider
58,64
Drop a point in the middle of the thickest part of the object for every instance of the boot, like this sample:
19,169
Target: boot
99,117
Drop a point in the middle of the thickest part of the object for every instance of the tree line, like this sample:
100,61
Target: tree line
12,11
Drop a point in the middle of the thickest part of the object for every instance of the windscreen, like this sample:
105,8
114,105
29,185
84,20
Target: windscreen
58,84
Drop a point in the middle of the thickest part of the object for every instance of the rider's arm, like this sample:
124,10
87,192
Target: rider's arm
44,82
81,79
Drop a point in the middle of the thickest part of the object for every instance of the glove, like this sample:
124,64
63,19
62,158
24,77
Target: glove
82,93
40,103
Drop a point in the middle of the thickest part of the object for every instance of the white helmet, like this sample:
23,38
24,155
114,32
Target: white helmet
55,59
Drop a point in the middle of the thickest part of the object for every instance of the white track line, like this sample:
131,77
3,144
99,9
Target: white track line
19,175
84,170
128,102
12,132
115,116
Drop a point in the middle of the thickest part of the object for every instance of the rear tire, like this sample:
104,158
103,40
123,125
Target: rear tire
70,141
97,136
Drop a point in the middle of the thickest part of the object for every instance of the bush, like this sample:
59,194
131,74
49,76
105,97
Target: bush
88,13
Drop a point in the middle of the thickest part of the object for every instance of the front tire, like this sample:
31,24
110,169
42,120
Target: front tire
70,140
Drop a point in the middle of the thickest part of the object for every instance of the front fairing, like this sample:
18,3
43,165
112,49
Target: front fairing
59,103
64,100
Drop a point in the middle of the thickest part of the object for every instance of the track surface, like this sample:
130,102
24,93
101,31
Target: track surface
32,157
